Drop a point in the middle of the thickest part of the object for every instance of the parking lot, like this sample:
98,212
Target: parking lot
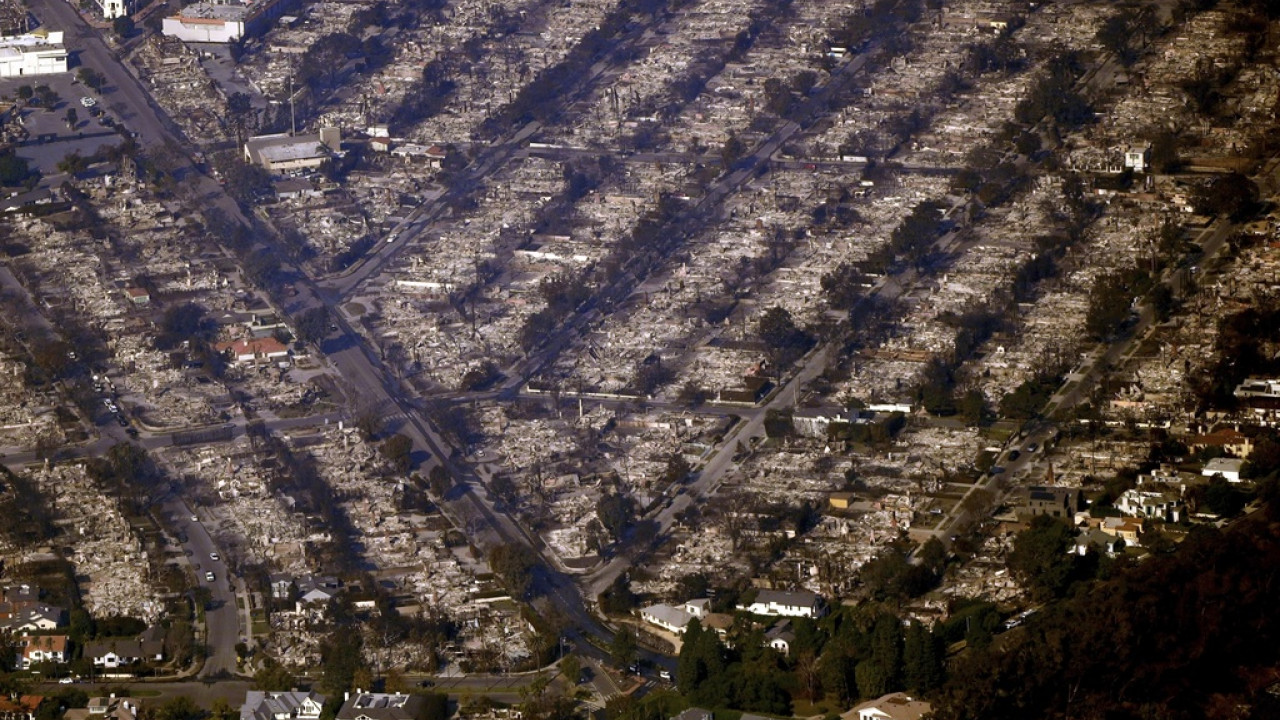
50,138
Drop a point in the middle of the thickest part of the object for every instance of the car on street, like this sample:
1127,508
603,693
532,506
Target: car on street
88,102
213,556
208,576
195,518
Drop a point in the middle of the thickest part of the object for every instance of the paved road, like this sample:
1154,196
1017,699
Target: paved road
223,621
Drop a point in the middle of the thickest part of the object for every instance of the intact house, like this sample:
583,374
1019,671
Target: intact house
671,619
894,706
1057,502
31,617
1228,468
381,706
781,637
283,153
22,707
786,603
1228,440
1166,506
292,705
122,652
254,351
676,619
104,708
41,648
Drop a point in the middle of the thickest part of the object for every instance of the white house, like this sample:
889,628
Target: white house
1145,503
699,608
894,706
1228,468
42,648
671,619
112,9
118,653
39,52
780,637
786,603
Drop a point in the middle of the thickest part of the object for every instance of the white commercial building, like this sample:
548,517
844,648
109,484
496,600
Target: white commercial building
206,23
286,153
219,22
112,9
36,53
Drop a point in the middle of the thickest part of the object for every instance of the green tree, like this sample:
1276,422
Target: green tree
13,169
701,660
873,679
514,564
122,26
1109,304
785,340
273,676
618,599
1040,558
921,660
623,648
179,708
435,706
398,450
91,78
312,325
1233,195
732,151
616,512
973,408
1223,498
341,662
571,669
440,480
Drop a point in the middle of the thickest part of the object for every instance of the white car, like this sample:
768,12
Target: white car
213,556
208,576
88,102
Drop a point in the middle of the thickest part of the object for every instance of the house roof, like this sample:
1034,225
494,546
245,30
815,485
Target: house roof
43,643
1223,465
381,706
789,598
285,148
259,705
667,615
254,346
694,713
24,704
1219,438
894,706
